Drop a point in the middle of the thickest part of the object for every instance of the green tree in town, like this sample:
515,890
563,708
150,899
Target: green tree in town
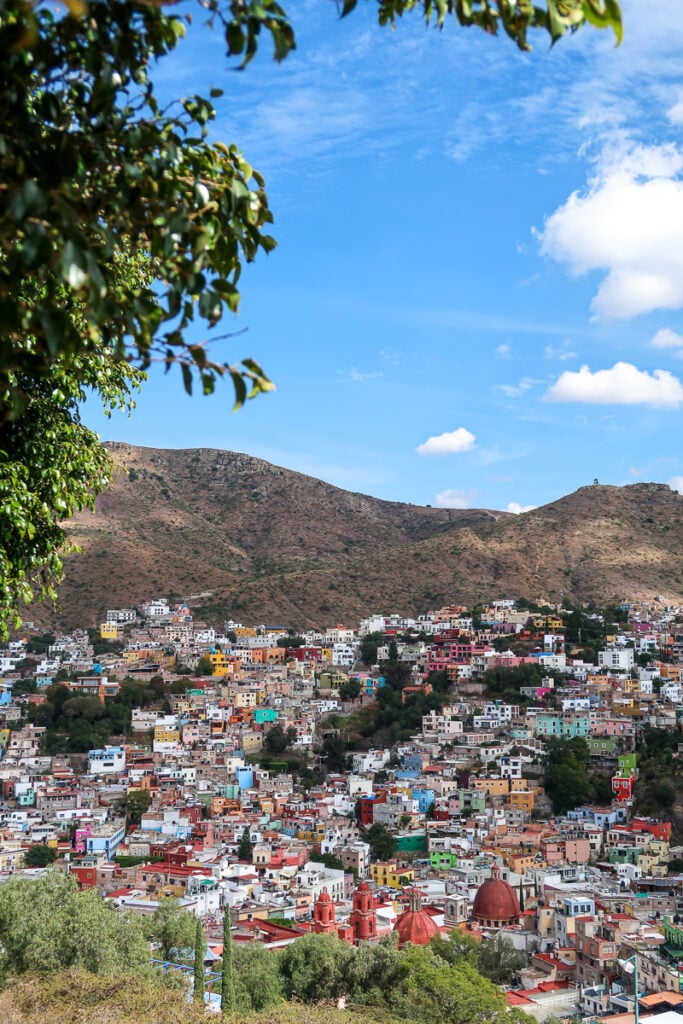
40,856
498,960
257,978
377,968
227,976
172,928
122,226
199,974
368,647
382,842
350,690
333,752
316,967
456,948
137,804
204,667
278,739
246,847
565,773
434,992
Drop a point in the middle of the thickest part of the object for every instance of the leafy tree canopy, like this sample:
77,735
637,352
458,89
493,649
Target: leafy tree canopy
382,842
122,225
46,924
172,928
40,856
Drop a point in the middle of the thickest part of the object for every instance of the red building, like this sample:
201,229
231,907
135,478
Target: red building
363,918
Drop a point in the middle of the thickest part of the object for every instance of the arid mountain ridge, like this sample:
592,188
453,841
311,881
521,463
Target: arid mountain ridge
263,543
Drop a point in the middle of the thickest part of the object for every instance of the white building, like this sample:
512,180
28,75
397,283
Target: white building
106,761
620,659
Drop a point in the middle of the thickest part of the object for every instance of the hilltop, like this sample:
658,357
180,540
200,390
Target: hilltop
260,542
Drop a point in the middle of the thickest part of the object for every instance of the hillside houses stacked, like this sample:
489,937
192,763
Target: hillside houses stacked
477,845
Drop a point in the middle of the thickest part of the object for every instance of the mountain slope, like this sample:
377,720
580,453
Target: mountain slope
273,545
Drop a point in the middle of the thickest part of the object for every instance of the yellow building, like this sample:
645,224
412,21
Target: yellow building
388,873
522,801
519,861
166,734
248,698
311,833
11,855
252,742
493,787
221,662
109,631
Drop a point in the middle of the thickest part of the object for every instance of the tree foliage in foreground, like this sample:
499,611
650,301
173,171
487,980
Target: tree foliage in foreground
48,925
122,226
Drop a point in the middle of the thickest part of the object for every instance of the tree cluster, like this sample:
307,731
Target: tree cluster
278,739
47,924
405,719
659,772
567,779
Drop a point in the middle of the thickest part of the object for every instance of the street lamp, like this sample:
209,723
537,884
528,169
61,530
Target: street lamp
630,966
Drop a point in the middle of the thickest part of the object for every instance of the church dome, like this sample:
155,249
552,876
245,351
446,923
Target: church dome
415,924
495,902
324,897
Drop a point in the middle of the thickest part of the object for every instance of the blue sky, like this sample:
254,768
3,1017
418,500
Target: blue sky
476,298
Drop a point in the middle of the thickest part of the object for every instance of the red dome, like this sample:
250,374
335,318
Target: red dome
415,926
324,897
495,901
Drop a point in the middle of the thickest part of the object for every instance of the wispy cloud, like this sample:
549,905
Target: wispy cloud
355,376
455,499
516,390
561,352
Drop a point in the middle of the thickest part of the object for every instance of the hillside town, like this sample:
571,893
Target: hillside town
495,771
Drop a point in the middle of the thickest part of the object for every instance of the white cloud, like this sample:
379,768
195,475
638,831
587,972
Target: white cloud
675,113
460,440
504,351
623,384
676,483
455,499
666,338
517,509
629,223
515,390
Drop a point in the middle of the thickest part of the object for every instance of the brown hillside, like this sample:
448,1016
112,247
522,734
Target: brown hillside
273,545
